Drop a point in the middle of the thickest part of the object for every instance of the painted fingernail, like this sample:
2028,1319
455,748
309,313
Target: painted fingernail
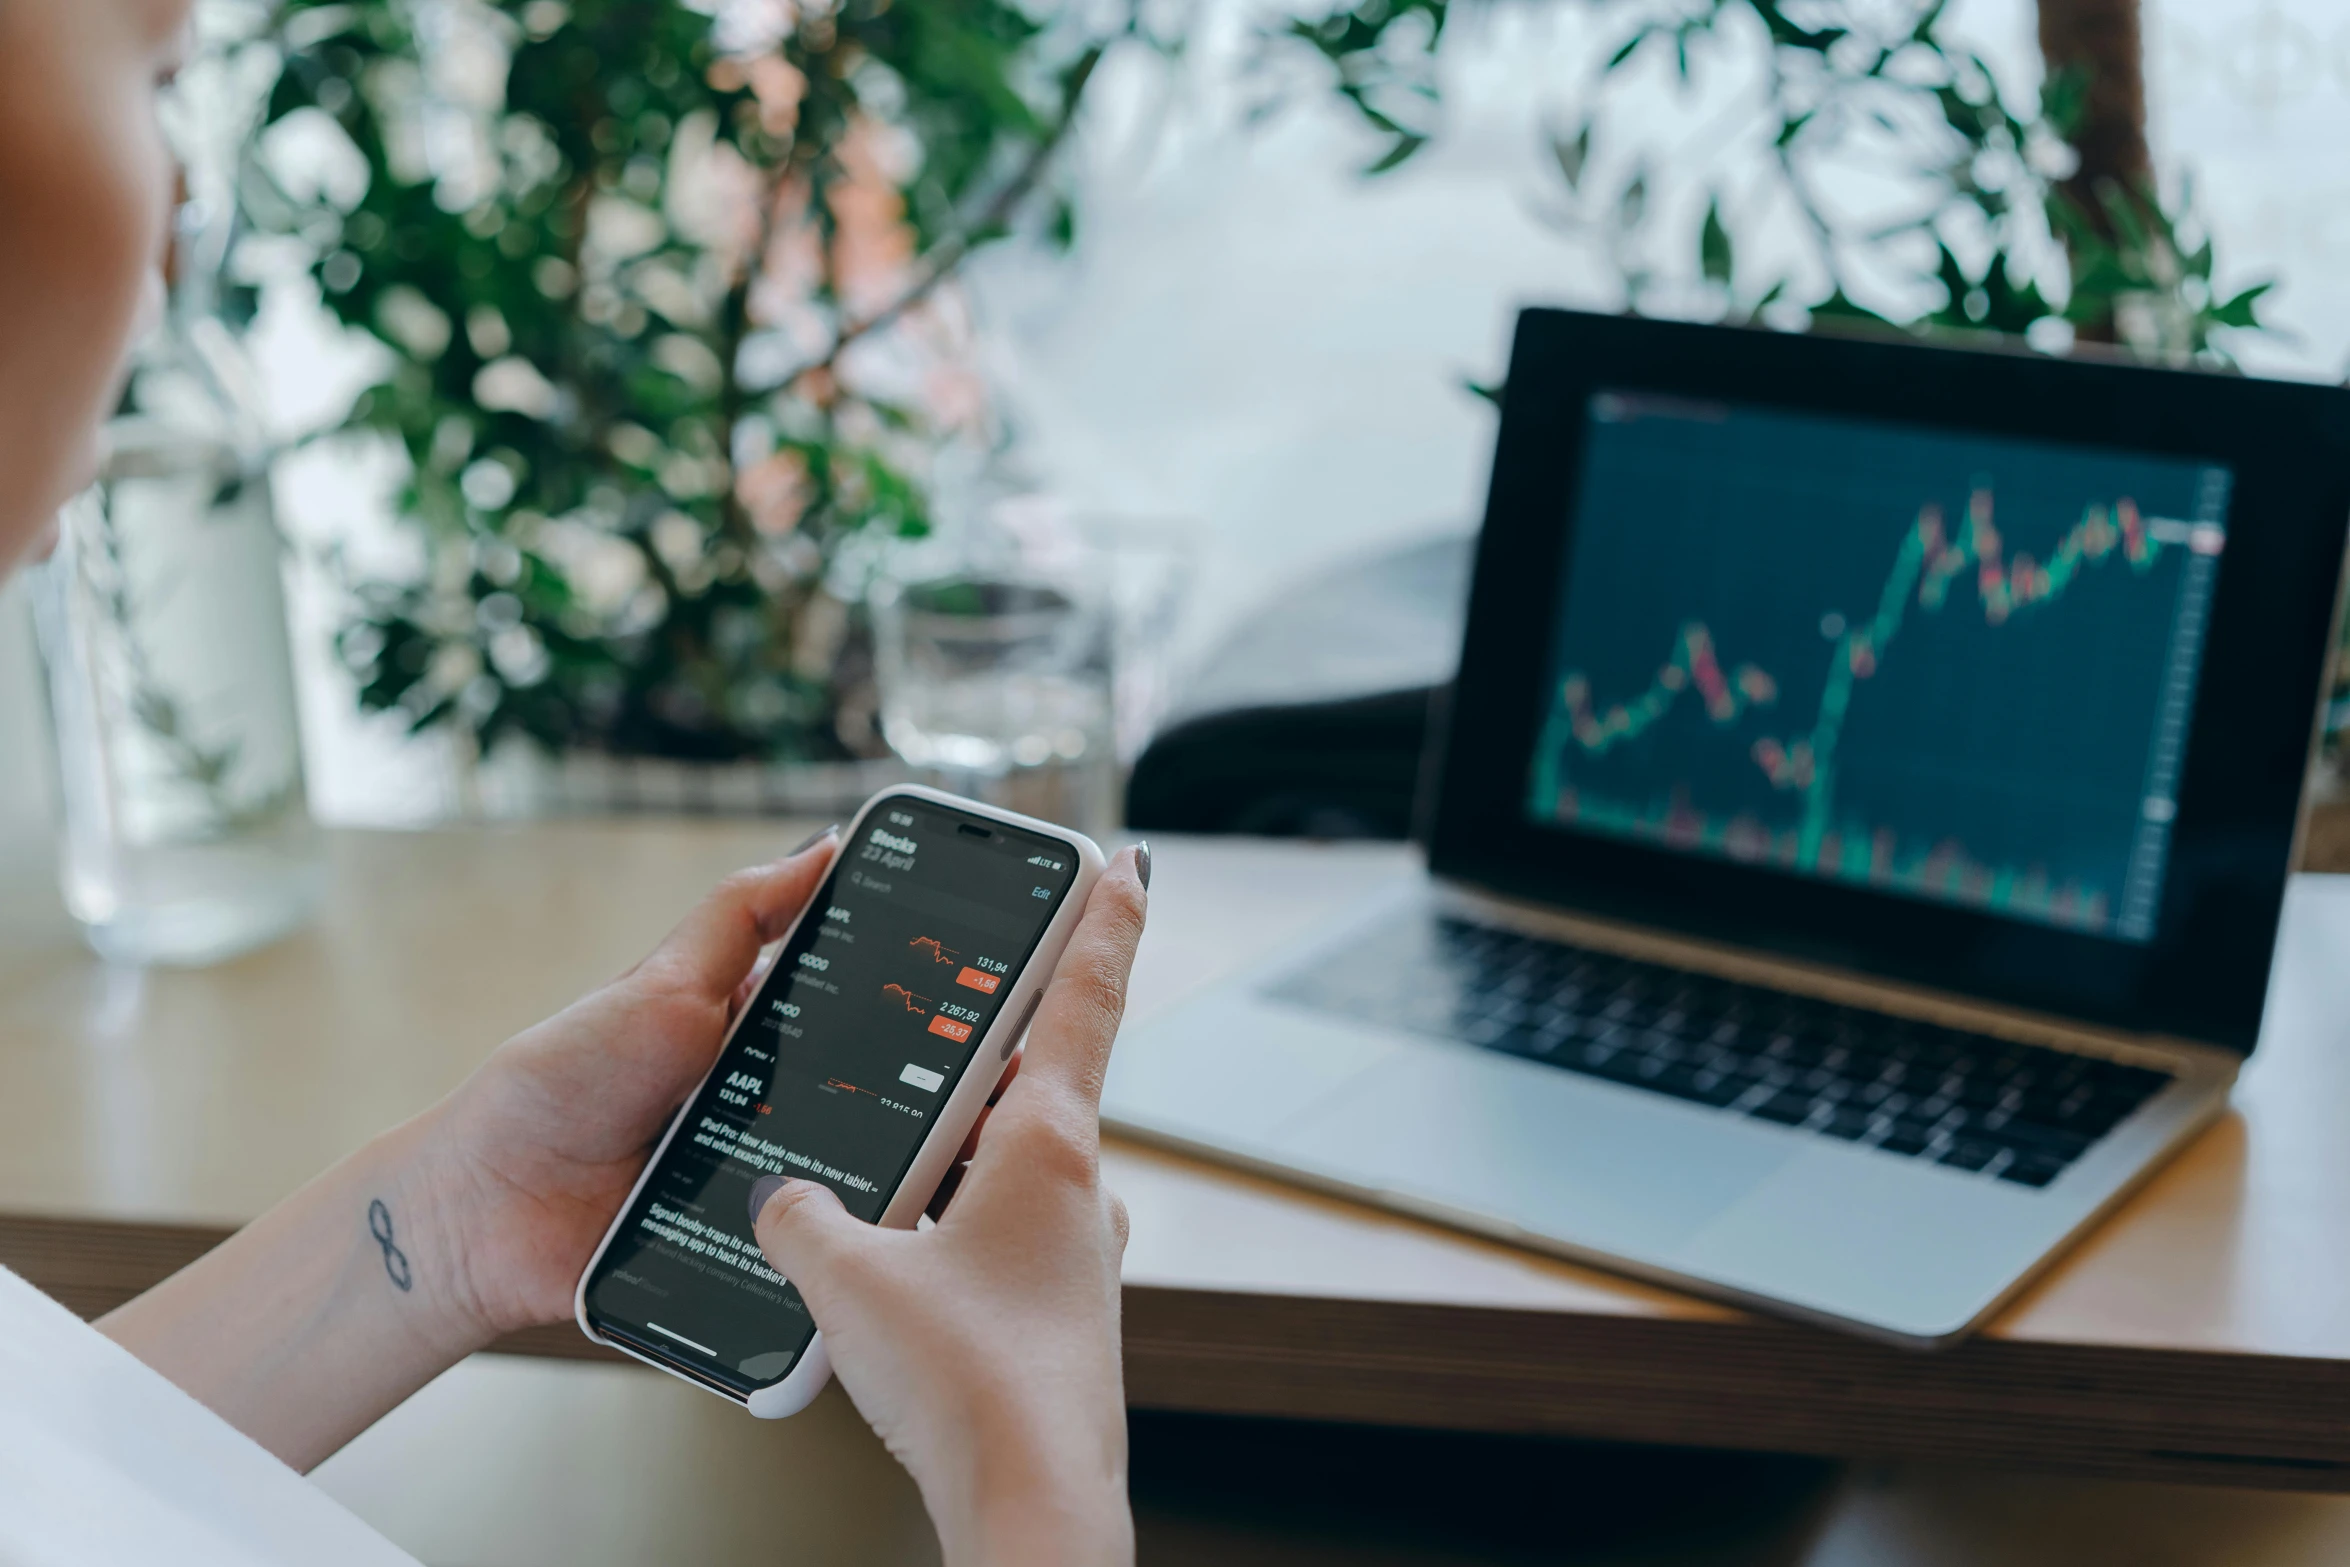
814,839
763,1191
1142,864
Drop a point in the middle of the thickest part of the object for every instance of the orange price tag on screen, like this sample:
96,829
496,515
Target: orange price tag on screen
979,980
947,1026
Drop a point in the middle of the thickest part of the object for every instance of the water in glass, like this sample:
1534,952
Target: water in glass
162,616
1003,688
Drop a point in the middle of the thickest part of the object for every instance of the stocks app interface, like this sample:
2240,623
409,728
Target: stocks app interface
1948,666
859,1034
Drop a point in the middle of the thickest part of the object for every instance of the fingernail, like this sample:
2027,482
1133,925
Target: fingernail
763,1189
1142,864
814,839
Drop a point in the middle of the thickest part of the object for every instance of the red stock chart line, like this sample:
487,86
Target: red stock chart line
907,999
1932,559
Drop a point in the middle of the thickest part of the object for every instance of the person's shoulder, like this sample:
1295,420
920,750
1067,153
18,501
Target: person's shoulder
102,1461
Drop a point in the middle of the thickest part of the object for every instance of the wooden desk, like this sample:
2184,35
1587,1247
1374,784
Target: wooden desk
2203,1334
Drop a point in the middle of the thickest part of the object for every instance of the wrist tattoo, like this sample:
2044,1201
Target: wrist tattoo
379,1225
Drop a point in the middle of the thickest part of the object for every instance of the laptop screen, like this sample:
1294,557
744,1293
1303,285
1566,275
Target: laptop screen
1952,667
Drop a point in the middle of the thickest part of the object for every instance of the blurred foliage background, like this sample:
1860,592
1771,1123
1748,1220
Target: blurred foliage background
2034,215
672,338
664,294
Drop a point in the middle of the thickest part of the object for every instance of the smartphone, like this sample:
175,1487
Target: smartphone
863,1060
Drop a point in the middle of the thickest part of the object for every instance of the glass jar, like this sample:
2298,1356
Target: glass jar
187,837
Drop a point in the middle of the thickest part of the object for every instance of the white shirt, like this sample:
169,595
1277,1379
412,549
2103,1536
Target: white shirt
103,1462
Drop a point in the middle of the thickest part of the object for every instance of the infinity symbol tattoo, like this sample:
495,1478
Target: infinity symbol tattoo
379,1225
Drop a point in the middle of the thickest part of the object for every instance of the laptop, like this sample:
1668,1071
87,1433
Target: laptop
1855,837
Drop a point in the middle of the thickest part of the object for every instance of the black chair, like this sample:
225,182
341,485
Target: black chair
1311,720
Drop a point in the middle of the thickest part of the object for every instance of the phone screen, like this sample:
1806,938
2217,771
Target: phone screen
867,1021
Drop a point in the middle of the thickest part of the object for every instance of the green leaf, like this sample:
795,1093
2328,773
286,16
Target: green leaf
1405,145
1956,285
2064,97
1714,255
1625,51
1770,296
2128,213
2240,311
1789,35
1840,306
2009,308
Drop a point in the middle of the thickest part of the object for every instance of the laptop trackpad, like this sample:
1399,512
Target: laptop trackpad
1589,1164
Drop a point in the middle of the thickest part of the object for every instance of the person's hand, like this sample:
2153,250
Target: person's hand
472,1219
984,1349
532,1157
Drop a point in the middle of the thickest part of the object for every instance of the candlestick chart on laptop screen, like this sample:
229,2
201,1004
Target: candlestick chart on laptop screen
1939,664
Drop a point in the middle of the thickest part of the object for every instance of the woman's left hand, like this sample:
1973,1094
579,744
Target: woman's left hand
528,1161
474,1218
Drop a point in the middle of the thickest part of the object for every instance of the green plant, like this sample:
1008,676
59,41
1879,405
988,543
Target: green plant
1989,221
2037,221
658,286
209,769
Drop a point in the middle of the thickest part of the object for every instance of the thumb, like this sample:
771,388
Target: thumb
715,946
806,1234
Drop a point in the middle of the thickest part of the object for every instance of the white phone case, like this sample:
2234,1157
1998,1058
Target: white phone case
955,1118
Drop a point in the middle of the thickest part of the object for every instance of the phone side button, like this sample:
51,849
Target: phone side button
1019,1028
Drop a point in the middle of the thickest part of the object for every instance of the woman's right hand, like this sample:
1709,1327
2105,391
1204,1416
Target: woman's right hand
984,1349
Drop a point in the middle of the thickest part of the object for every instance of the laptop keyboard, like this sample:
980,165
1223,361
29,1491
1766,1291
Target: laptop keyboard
1972,1102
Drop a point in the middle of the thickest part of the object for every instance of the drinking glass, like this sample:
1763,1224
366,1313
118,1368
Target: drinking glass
187,838
1000,685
